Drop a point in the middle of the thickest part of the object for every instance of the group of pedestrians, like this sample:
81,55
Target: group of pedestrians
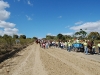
88,46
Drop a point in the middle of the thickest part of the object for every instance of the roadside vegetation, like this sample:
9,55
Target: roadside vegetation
15,42
82,35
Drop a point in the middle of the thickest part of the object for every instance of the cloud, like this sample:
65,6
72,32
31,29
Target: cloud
1,32
51,34
90,26
80,22
6,27
3,13
29,3
3,5
10,31
4,24
70,33
60,17
29,18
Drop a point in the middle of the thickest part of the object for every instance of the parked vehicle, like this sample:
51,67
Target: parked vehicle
78,47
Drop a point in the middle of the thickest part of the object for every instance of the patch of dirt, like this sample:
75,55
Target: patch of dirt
34,60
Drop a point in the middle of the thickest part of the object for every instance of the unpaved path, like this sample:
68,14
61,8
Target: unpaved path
34,60
26,62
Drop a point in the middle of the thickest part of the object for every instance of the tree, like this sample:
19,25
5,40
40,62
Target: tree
35,38
94,35
15,36
23,36
77,33
49,37
81,33
8,40
0,36
60,36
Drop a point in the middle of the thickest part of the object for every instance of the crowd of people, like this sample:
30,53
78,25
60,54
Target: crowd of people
88,45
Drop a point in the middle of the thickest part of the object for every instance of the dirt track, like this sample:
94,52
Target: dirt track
34,60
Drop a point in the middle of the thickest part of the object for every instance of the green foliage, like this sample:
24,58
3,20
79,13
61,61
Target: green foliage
23,36
35,38
59,36
81,34
0,36
7,42
94,35
15,36
49,37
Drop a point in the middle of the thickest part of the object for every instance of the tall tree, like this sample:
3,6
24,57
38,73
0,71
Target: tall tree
81,33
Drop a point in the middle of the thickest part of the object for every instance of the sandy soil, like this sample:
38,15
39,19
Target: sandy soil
34,60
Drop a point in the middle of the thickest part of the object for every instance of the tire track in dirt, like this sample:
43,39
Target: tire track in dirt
86,65
25,68
55,66
82,65
18,61
27,62
38,66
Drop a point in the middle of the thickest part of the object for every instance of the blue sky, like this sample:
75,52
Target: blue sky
48,17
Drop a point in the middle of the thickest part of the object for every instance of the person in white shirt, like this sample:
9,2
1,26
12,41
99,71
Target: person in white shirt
99,47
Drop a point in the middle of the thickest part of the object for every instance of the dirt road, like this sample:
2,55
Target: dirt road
34,60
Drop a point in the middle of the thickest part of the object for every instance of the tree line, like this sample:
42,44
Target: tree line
9,43
82,34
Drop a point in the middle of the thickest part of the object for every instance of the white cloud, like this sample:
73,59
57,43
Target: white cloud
29,18
29,3
51,34
90,26
3,13
71,33
1,32
4,24
10,31
60,17
80,22
3,5
6,27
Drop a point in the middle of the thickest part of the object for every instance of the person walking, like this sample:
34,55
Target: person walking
85,48
93,49
99,48
69,45
47,44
